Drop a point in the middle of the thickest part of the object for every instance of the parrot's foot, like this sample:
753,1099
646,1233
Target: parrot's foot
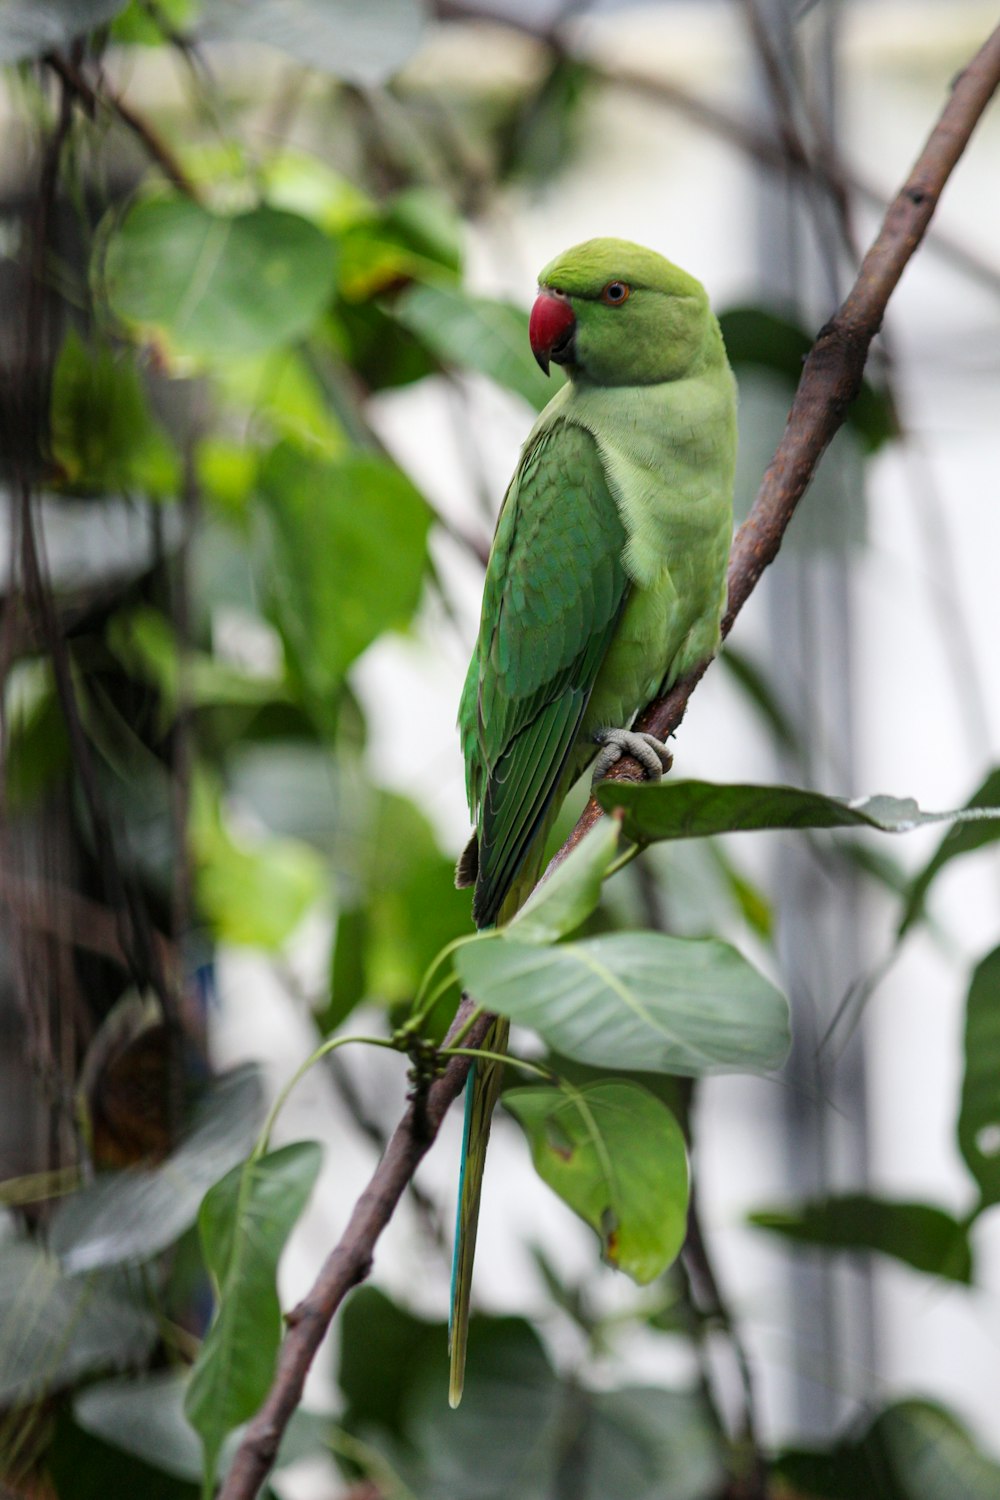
651,753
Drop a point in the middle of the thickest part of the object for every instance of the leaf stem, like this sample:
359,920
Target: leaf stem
483,1055
418,1013
330,1045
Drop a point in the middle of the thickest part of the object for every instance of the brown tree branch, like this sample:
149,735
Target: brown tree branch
830,381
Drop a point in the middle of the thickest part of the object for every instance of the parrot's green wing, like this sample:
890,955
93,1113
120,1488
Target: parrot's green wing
555,588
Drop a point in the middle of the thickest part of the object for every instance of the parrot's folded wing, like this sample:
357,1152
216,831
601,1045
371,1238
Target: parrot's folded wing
555,590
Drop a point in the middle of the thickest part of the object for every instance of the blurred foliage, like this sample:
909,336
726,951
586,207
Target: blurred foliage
227,536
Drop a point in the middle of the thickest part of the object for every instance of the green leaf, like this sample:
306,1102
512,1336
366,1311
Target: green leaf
30,28
912,1451
37,745
503,1440
350,554
244,1222
635,1000
476,333
144,1416
520,1431
364,44
616,1155
695,809
413,908
284,396
213,286
133,1215
965,839
142,26
55,1328
83,1466
416,236
381,1348
671,1432
570,893
254,893
979,1116
764,338
918,1234
104,437
933,1456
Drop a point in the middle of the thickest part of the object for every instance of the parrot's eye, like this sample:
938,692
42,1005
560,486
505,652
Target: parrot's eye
615,292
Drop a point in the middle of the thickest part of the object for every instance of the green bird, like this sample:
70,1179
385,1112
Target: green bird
606,582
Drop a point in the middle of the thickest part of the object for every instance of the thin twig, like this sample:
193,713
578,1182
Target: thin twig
830,381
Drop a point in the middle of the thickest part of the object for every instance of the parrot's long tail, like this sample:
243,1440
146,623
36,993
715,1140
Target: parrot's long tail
482,1090
481,1093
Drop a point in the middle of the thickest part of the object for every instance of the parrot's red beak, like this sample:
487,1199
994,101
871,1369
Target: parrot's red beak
551,329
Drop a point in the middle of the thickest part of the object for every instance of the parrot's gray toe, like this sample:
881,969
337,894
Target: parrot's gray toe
651,753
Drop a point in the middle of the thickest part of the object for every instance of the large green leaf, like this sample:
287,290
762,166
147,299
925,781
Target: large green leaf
503,1440
570,893
520,1431
83,1466
616,1155
55,1328
244,1223
671,1433
635,1000
365,44
30,28
212,286
144,1416
477,333
133,1215
381,1347
912,1451
969,836
979,1117
695,809
922,1236
350,553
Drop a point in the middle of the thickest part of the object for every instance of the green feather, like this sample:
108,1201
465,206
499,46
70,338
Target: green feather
605,583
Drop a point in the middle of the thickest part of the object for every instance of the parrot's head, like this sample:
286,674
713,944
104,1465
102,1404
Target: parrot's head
615,313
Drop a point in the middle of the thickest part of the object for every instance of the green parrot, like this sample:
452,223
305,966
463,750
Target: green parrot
606,582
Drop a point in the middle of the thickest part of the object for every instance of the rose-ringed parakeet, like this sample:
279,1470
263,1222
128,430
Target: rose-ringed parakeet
606,582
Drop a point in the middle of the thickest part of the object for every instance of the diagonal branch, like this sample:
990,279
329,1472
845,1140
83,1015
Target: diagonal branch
830,381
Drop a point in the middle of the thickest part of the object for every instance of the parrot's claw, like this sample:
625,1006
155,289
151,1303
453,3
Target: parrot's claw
651,753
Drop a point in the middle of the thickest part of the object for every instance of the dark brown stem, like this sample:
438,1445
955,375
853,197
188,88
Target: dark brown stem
94,99
830,381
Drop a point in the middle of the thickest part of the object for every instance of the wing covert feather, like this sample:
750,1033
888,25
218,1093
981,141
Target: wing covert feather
555,588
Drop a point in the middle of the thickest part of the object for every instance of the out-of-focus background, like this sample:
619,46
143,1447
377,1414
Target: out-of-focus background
264,376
